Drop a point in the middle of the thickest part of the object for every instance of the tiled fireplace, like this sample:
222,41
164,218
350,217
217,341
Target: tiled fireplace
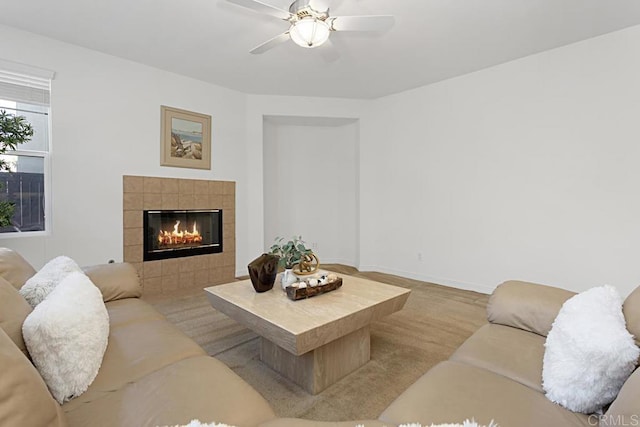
183,199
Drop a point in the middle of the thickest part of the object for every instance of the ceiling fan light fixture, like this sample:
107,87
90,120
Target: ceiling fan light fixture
309,32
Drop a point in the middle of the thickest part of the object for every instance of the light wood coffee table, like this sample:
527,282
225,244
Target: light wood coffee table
317,341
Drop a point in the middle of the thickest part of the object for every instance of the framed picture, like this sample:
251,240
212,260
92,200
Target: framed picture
185,139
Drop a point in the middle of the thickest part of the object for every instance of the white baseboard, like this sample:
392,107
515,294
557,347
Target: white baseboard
477,287
337,261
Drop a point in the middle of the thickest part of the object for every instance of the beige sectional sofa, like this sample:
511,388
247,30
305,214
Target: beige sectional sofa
153,375
496,374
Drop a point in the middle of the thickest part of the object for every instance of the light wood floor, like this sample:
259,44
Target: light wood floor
404,345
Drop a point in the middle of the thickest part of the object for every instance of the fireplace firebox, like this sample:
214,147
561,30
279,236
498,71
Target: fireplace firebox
180,233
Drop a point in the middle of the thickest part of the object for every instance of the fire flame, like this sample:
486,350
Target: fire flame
179,237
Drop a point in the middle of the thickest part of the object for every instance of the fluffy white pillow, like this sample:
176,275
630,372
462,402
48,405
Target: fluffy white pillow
589,353
465,423
198,423
66,335
42,283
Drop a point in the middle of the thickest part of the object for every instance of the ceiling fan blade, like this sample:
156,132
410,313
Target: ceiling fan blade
269,44
267,9
362,23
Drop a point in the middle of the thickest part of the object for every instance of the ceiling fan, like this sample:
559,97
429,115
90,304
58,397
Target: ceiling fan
310,23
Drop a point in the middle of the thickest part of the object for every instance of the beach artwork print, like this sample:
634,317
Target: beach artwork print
186,139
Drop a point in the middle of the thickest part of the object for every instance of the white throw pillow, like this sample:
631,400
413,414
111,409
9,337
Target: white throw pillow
42,283
465,423
66,335
198,423
589,353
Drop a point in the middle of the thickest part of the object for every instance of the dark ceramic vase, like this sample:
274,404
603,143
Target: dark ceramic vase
263,271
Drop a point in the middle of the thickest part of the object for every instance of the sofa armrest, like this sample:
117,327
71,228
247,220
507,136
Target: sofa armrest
526,306
115,281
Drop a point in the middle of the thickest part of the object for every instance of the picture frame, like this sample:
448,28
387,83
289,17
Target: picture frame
185,138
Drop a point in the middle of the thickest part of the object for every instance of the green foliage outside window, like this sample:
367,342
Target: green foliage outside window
14,130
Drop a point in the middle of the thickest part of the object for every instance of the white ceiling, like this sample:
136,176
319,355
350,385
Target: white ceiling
432,40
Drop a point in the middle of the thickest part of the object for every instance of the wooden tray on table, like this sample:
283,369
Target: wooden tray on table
297,293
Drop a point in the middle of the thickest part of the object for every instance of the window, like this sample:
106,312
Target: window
24,91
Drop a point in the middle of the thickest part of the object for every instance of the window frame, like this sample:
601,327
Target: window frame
40,73
46,156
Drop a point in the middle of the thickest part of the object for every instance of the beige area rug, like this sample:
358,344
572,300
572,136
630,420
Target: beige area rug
404,345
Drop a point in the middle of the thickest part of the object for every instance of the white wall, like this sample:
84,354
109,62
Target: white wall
106,124
311,186
526,170
303,110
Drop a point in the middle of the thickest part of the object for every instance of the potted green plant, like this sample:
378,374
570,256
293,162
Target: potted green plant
290,254
14,130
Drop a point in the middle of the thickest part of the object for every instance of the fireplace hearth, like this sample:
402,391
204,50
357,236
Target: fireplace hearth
181,233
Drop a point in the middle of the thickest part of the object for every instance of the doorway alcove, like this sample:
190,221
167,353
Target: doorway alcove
311,170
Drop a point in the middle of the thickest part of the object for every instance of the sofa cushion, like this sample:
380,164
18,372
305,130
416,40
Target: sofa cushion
195,388
506,351
526,306
128,311
631,311
452,390
589,353
66,335
37,287
13,268
141,341
625,410
141,348
115,281
24,397
13,310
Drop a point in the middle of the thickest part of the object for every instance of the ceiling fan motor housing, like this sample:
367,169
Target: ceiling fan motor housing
299,5
306,11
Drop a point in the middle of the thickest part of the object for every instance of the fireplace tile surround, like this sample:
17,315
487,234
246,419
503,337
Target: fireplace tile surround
147,193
